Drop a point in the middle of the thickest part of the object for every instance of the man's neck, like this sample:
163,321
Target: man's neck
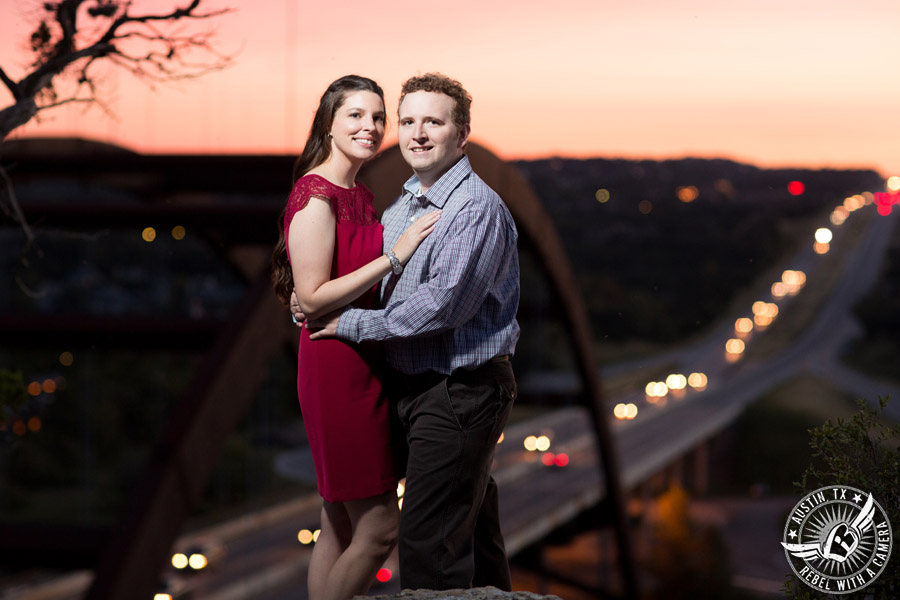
427,180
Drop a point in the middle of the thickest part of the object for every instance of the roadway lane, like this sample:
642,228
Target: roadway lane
535,499
266,562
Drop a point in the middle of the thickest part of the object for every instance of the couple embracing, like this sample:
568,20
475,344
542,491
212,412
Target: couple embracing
432,291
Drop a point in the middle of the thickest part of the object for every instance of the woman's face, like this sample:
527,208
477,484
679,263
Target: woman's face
358,127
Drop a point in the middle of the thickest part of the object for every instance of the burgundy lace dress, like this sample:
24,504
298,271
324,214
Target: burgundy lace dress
344,409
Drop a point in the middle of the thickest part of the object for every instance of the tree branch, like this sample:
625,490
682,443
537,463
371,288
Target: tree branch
178,13
9,83
116,28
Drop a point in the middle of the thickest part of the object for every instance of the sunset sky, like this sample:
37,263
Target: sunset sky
806,83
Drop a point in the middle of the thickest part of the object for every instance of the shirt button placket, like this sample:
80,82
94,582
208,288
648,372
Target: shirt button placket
411,214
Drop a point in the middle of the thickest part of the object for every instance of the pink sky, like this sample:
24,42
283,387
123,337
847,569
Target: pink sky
807,83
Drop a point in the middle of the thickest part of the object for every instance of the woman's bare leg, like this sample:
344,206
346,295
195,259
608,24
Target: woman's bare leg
374,525
334,538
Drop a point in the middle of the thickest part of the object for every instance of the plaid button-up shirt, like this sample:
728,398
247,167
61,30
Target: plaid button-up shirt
454,306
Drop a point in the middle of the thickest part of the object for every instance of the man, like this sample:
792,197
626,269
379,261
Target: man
448,325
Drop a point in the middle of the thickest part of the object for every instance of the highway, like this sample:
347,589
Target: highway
265,561
535,499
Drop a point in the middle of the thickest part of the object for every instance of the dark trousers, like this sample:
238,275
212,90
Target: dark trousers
450,525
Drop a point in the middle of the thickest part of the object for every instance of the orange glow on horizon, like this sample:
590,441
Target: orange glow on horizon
562,92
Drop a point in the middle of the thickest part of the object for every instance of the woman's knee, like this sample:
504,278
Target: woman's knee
382,532
376,527
382,544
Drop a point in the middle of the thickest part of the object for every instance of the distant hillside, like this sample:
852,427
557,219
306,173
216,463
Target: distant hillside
57,146
656,268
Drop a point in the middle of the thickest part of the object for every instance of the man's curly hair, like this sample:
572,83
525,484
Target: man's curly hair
441,84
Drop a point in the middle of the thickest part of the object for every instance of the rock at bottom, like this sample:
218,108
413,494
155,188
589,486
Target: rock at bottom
482,593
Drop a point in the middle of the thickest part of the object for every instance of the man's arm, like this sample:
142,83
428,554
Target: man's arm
464,266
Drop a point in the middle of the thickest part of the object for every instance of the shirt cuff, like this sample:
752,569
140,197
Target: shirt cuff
348,324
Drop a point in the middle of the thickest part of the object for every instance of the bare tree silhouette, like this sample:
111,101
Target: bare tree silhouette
73,36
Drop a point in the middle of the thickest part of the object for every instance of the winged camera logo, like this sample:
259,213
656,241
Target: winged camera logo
837,539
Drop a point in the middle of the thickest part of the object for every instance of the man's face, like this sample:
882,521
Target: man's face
429,140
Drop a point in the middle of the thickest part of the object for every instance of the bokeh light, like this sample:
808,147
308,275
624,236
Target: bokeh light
198,561
762,321
795,188
656,390
149,234
66,359
178,232
839,215
625,411
687,193
743,326
676,381
179,560
698,381
384,575
734,346
793,281
854,203
602,195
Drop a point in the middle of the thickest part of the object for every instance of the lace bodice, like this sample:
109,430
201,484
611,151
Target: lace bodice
352,205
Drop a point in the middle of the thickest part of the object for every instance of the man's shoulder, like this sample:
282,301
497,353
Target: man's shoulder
482,197
474,190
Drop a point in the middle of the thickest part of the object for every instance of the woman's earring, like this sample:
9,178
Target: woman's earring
329,136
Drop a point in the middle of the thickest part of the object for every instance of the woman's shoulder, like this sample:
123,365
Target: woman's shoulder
353,204
317,185
307,187
312,184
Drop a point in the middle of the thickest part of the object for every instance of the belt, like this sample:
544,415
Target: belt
419,382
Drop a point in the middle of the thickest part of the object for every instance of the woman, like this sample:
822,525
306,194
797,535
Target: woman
330,255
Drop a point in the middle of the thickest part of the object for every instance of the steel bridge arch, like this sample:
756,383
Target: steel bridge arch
223,388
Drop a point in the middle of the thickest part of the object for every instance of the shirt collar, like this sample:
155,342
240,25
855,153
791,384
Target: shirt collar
438,193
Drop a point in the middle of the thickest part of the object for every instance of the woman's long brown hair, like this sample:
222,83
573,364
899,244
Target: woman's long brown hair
316,151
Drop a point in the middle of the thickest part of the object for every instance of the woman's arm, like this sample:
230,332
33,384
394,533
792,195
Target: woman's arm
311,243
